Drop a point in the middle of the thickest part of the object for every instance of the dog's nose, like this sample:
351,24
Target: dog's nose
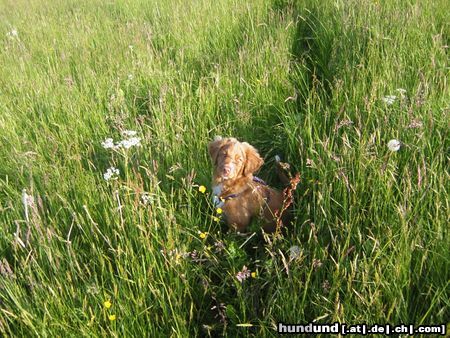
226,170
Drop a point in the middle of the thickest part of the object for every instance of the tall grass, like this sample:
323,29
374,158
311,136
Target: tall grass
302,79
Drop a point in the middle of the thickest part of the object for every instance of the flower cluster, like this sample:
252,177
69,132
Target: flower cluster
244,274
390,99
133,141
107,305
146,198
176,255
108,143
130,141
219,246
111,173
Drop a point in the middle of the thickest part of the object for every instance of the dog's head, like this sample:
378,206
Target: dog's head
233,159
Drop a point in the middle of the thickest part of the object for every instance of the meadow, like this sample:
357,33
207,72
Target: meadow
139,250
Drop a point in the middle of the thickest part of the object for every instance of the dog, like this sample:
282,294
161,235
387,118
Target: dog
241,195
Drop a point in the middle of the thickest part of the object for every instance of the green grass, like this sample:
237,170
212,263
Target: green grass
302,79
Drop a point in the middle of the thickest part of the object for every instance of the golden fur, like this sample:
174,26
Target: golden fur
236,192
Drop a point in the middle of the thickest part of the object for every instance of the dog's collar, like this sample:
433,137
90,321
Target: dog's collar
231,196
258,180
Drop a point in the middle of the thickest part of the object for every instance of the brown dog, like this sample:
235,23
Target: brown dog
236,191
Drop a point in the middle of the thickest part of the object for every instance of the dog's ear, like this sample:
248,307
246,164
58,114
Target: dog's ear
213,148
252,159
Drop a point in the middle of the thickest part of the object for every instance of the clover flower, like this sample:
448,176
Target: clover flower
394,145
194,255
111,174
219,246
243,274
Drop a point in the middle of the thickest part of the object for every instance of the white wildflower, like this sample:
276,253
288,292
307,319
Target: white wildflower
129,133
108,143
294,252
111,174
12,34
130,77
133,141
389,99
394,145
146,198
129,141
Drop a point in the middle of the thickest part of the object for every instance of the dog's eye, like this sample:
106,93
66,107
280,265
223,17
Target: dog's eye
238,158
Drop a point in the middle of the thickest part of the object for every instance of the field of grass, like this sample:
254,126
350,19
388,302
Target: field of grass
143,254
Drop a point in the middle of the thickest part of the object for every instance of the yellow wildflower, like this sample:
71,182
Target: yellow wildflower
202,189
216,219
219,210
107,304
112,317
254,274
203,235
